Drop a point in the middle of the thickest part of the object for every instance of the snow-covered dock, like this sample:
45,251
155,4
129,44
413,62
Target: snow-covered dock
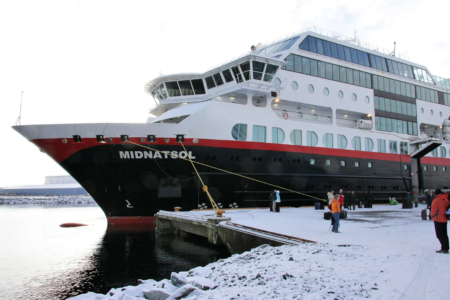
383,253
14,200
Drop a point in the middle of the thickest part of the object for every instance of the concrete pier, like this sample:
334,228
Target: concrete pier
237,238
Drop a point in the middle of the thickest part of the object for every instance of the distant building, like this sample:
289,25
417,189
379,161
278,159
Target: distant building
53,186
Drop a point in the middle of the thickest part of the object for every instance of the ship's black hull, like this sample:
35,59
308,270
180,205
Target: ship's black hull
126,186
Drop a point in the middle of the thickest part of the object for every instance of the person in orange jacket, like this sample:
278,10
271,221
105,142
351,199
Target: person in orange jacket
438,209
336,211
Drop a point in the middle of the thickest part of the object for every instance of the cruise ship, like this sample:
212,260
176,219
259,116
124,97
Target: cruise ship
310,113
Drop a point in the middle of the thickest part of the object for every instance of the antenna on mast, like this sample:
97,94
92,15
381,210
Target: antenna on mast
20,111
393,52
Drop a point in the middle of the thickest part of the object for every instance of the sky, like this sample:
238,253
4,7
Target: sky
79,61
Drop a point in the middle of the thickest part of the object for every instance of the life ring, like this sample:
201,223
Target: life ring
285,116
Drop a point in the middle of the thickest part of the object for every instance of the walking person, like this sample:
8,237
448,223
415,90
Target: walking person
336,211
353,200
369,199
330,197
277,201
272,198
341,197
429,199
438,210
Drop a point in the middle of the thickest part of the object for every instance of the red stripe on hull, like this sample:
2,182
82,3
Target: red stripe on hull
60,151
435,161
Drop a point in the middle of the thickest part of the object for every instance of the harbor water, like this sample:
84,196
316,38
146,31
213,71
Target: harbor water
41,260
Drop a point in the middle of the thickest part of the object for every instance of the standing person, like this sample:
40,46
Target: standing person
341,197
369,199
438,209
272,198
416,199
336,211
277,201
429,199
330,197
353,200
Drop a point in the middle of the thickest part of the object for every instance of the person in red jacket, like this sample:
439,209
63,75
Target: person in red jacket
341,198
438,209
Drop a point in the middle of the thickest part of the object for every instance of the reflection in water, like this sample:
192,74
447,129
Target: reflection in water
123,258
40,260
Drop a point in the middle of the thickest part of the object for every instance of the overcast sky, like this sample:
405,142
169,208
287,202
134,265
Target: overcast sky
87,61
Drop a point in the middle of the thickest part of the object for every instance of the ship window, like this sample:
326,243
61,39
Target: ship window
435,153
306,66
312,44
434,168
342,163
356,143
311,88
259,133
444,169
311,138
100,138
404,148
360,57
354,97
443,151
186,88
162,90
237,74
270,71
369,165
245,67
312,161
151,138
210,82
348,56
369,144
227,75
124,138
239,132
334,51
258,68
328,162
328,140
319,46
382,146
277,135
405,167
354,56
76,138
304,45
294,85
425,168
326,48
392,147
357,164
341,52
173,89
218,79
326,91
296,137
199,88
342,141
341,94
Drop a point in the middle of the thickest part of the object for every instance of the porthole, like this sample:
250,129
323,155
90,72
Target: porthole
277,82
328,162
341,94
444,169
367,99
431,112
326,91
354,97
440,114
422,110
312,161
357,164
369,165
434,168
343,163
294,85
299,115
311,88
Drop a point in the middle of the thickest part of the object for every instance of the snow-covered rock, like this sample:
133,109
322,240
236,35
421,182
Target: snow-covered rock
157,294
182,292
178,279
201,282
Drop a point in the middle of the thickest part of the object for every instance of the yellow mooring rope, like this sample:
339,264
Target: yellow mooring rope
205,188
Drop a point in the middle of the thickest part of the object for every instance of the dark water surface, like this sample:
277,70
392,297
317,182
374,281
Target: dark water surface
40,260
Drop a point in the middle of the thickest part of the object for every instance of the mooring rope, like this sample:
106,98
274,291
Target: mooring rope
225,171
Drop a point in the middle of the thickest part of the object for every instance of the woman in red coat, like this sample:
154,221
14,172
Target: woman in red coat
438,209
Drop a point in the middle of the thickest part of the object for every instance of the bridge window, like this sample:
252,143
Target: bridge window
186,88
198,86
258,69
173,89
227,75
210,82
404,148
218,79
245,67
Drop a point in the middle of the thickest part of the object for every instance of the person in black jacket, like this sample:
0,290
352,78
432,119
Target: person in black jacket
353,200
272,198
